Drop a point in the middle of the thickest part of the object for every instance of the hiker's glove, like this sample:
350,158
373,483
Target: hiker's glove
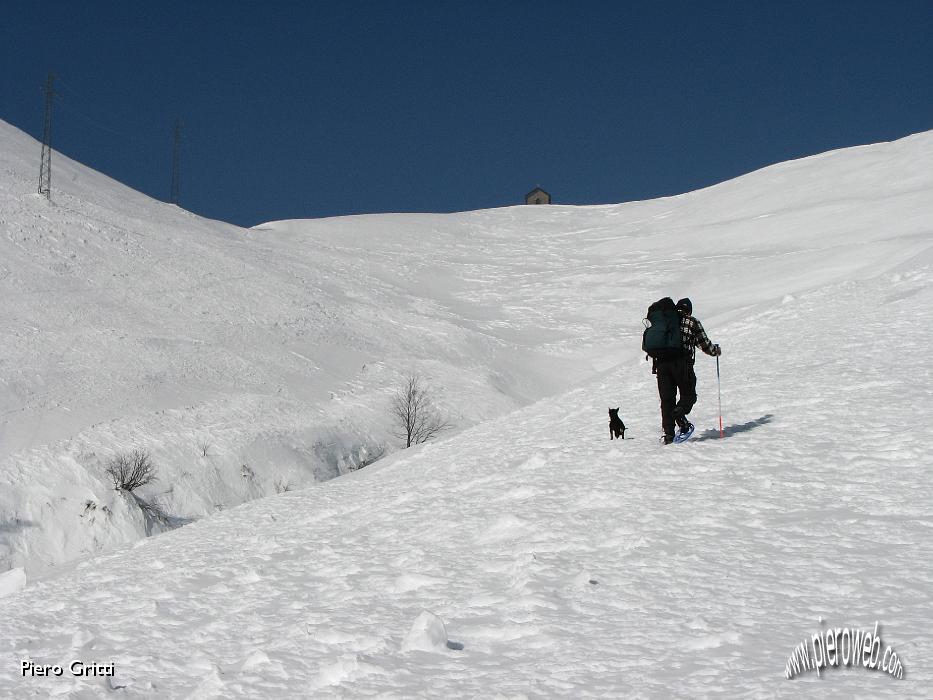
717,351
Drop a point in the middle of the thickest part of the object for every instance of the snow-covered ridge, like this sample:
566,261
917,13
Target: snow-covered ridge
248,360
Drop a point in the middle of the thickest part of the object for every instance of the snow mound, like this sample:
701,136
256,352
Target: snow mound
428,633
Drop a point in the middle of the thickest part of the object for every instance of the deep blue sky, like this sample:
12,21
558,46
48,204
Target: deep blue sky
308,109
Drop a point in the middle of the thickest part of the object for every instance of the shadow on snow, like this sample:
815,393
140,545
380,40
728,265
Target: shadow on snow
731,430
16,525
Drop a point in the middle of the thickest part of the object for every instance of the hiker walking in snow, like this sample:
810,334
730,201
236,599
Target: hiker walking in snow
671,341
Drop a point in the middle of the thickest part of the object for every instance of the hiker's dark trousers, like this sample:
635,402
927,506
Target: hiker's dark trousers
676,376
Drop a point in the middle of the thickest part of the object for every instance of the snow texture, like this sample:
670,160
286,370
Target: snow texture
11,581
561,564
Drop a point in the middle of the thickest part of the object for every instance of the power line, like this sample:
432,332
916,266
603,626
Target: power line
89,109
69,107
77,103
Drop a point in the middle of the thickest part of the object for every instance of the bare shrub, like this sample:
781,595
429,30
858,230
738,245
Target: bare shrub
416,419
204,447
130,471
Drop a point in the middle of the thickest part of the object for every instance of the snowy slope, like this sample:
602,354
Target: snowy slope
562,564
128,323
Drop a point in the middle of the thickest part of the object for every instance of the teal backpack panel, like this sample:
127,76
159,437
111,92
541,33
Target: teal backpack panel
662,338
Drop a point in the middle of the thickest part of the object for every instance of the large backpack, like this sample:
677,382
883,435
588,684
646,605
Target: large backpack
662,339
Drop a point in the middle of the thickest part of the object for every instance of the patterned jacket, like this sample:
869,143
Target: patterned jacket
693,335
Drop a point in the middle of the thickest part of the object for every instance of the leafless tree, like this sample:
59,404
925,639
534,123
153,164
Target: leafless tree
417,420
130,471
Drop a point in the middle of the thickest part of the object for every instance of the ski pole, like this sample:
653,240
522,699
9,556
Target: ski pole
719,392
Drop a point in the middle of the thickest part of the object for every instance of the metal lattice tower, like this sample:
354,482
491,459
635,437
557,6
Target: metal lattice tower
176,156
45,168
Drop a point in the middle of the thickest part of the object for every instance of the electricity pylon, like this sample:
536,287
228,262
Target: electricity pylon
45,168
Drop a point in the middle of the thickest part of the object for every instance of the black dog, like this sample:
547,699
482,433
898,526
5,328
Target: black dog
616,426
